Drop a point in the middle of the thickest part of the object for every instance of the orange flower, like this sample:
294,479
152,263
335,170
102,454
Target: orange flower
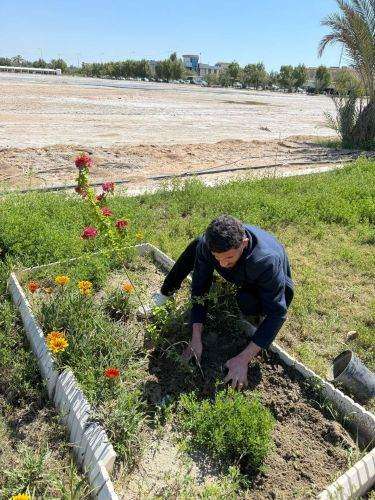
33,286
62,280
57,342
112,372
85,287
128,287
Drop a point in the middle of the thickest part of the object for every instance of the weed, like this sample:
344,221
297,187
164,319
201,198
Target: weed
232,427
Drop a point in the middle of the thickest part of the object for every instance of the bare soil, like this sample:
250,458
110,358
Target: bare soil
311,449
136,130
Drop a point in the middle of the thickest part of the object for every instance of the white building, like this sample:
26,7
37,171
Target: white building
23,69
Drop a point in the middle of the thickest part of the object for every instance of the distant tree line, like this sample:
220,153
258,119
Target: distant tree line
289,78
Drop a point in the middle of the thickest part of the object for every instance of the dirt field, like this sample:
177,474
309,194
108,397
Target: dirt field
38,111
136,130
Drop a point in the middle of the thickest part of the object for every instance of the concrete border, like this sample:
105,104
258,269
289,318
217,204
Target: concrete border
95,453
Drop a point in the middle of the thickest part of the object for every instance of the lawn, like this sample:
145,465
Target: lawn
325,221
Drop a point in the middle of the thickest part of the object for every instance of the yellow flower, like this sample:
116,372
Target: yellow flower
85,287
21,496
57,342
128,287
62,280
139,235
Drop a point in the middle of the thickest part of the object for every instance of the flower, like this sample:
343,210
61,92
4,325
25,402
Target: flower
112,372
33,286
85,287
89,232
139,235
107,212
108,187
128,287
48,289
83,161
62,280
21,496
100,197
121,224
57,342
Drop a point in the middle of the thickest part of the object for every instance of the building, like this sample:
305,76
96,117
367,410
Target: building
191,62
23,69
207,69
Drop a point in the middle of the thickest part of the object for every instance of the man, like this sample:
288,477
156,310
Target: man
257,264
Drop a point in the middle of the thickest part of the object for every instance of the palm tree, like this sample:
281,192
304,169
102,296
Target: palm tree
354,28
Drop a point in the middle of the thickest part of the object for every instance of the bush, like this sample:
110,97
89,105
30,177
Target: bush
233,427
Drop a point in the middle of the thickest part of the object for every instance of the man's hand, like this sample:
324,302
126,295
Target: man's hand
238,365
194,348
237,373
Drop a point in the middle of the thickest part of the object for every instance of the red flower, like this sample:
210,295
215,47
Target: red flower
107,212
108,187
121,224
33,286
80,190
89,232
100,197
83,161
112,372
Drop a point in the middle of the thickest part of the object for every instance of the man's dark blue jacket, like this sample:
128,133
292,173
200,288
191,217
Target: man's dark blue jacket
263,270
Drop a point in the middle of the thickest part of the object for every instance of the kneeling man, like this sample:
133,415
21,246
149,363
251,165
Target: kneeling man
257,264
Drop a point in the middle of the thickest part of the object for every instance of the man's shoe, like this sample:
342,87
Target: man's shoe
157,300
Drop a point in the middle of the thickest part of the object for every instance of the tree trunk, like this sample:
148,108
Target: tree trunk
363,133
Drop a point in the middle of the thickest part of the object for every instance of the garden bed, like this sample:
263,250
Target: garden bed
140,409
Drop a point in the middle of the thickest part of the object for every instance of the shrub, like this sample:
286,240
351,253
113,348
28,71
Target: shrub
233,427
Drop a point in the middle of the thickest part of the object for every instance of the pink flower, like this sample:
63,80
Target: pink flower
89,232
107,212
83,161
121,224
108,187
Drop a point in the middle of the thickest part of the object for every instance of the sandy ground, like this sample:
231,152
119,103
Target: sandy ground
135,130
37,110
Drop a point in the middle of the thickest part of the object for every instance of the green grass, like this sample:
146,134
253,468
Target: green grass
326,222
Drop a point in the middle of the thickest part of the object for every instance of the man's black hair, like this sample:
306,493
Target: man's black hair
224,233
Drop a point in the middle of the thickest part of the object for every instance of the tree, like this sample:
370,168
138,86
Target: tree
299,76
286,79
233,70
173,57
346,82
322,79
273,78
354,27
5,61
59,64
255,75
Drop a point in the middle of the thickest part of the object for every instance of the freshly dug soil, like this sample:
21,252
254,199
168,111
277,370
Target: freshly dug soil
311,449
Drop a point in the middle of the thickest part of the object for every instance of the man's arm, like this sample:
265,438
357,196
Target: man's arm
272,297
201,284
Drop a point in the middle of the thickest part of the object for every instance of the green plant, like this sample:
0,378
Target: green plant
232,427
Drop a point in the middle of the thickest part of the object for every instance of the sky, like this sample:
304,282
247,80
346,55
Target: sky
247,31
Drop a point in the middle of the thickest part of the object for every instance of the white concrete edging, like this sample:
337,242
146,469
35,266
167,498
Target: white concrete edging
96,454
91,446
